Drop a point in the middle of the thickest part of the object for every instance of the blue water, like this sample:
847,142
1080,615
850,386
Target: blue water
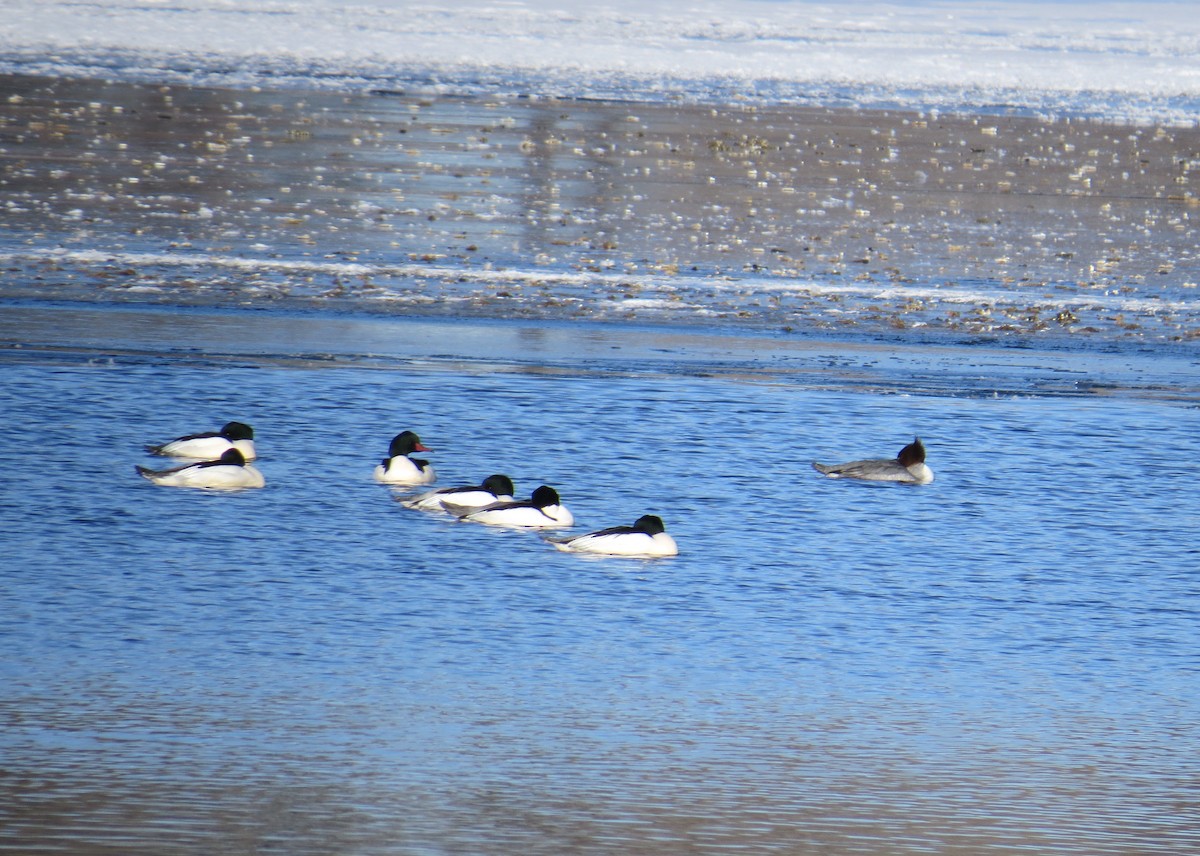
1002,661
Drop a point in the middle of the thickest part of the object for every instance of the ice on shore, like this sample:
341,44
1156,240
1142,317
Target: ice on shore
1128,61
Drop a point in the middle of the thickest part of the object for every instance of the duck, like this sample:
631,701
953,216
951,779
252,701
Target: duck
459,500
228,472
647,538
210,445
543,510
399,468
908,467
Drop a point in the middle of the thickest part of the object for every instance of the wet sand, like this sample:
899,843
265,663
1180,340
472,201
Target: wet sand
798,219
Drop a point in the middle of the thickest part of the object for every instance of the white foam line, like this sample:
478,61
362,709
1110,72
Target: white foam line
694,287
333,268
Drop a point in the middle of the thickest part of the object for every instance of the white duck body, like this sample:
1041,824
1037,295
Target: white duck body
210,445
542,511
459,500
908,467
229,472
399,469
403,470
645,539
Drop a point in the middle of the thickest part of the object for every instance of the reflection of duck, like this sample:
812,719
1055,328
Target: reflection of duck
908,467
399,468
542,511
228,472
646,538
210,445
459,500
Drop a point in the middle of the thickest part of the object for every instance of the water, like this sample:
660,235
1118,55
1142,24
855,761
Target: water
1003,661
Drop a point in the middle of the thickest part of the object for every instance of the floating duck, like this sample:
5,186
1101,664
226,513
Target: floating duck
907,467
229,472
543,510
399,468
459,500
646,538
210,445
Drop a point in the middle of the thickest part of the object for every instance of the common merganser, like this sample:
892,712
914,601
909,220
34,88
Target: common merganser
542,511
229,472
399,468
907,467
459,500
646,538
210,445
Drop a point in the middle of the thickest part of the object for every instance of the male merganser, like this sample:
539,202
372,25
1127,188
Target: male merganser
228,472
210,445
907,467
399,468
646,539
460,500
542,511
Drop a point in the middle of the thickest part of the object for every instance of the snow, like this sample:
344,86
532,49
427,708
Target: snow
1125,61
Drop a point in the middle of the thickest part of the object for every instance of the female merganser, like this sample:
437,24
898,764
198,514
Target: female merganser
542,511
646,539
460,500
228,472
907,467
210,445
399,468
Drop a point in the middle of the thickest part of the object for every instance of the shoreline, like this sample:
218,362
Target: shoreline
115,334
818,221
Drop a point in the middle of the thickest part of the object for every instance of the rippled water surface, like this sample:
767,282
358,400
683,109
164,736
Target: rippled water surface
655,308
1002,661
